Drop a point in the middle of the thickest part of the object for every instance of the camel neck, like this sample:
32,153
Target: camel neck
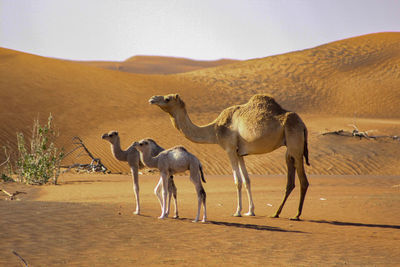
148,160
198,134
119,154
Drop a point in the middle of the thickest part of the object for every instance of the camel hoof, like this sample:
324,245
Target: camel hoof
274,216
295,219
162,217
204,220
176,217
250,213
136,212
237,214
195,221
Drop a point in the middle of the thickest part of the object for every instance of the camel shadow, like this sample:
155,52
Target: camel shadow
338,223
242,225
79,182
254,227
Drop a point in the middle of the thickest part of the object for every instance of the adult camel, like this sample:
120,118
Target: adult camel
259,126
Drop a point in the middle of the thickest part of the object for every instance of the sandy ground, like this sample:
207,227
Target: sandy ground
87,220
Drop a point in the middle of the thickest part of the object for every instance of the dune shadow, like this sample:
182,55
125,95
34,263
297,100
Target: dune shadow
388,226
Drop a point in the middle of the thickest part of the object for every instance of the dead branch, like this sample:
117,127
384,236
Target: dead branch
340,132
22,259
11,195
79,142
95,166
8,158
361,134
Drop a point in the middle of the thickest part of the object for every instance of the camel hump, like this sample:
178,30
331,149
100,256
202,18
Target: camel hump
262,97
267,103
177,149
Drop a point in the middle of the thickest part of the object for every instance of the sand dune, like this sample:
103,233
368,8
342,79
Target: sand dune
158,64
353,76
330,86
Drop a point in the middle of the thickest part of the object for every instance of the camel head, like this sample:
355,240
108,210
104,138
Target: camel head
111,137
143,145
169,103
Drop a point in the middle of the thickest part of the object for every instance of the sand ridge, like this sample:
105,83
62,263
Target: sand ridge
158,64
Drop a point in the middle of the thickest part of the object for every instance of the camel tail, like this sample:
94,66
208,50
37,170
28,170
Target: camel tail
305,152
202,174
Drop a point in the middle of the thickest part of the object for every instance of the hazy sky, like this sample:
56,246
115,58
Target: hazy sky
199,29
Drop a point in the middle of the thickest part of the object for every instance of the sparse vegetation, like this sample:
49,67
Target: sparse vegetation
41,162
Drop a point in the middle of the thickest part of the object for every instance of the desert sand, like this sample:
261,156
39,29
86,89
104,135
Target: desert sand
351,212
87,221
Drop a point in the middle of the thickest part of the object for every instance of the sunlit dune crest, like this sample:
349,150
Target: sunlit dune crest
158,64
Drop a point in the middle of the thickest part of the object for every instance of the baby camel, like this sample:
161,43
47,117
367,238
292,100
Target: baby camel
169,162
132,156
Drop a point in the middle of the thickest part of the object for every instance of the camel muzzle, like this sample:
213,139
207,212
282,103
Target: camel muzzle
104,136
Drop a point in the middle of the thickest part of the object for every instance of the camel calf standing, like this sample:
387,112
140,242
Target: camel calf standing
132,156
169,162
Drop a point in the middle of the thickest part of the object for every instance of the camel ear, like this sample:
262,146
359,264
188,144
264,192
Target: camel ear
116,133
176,96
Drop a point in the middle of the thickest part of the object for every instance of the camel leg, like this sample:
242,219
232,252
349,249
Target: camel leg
170,188
169,195
201,199
290,183
246,182
174,192
164,178
135,178
303,186
238,182
157,192
201,194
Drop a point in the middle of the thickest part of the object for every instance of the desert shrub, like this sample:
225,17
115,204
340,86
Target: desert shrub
41,162
5,178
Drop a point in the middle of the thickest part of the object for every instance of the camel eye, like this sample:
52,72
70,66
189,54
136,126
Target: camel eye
140,144
146,143
167,100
